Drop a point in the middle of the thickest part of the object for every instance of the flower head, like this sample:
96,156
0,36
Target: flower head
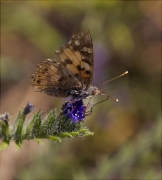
28,108
74,110
4,118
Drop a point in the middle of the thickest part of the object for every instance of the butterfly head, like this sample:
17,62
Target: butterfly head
94,90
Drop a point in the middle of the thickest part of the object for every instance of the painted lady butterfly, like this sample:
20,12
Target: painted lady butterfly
71,74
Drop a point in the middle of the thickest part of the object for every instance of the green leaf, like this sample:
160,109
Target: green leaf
54,138
18,128
74,133
18,145
48,126
4,145
33,128
65,134
4,131
38,141
88,134
82,130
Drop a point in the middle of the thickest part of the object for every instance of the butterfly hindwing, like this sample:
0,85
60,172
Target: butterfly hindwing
54,79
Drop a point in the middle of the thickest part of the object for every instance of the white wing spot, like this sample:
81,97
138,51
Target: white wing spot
77,42
70,42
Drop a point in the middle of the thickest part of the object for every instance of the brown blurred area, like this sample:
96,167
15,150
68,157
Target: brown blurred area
126,36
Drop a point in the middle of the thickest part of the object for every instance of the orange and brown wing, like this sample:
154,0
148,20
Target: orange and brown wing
77,57
54,79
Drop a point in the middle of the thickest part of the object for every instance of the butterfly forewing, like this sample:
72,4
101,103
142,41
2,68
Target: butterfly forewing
77,57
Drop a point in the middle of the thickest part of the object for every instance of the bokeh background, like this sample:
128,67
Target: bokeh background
127,135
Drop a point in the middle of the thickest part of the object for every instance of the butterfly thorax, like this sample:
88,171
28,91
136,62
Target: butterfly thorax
81,94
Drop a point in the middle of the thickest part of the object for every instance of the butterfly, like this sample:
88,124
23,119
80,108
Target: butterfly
71,73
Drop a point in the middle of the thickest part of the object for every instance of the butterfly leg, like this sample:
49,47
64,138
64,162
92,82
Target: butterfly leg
88,113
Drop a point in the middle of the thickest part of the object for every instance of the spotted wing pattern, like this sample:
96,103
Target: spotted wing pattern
77,57
72,71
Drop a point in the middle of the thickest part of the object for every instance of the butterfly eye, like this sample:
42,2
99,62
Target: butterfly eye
94,92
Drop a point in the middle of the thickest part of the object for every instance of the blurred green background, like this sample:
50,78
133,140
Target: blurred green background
126,36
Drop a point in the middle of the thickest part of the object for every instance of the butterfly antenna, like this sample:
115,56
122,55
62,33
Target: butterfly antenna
115,77
107,97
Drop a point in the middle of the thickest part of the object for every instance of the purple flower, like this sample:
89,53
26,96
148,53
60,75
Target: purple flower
29,107
74,110
4,118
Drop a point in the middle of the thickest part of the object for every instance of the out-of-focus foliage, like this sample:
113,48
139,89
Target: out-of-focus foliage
126,36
